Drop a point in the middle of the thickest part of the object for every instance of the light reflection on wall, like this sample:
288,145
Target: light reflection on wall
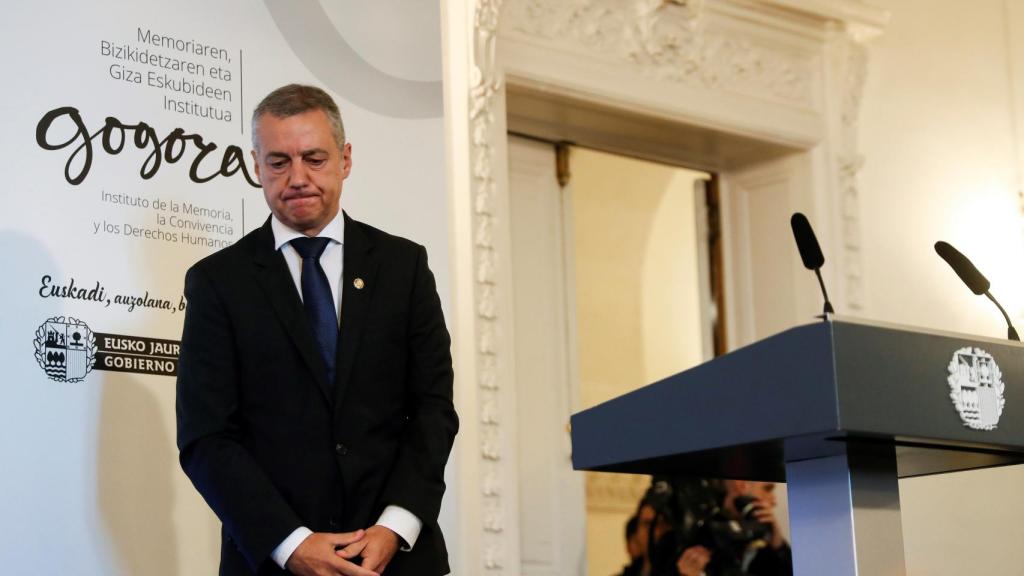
986,224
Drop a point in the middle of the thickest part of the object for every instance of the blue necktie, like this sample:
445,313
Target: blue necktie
318,300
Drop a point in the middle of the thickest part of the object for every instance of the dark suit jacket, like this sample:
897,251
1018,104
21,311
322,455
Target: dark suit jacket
271,444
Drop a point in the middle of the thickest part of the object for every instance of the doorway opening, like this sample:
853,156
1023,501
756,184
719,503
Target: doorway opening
644,310
617,284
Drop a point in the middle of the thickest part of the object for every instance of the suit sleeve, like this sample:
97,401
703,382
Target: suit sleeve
255,515
416,482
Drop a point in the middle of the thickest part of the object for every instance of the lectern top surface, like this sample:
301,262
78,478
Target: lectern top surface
945,398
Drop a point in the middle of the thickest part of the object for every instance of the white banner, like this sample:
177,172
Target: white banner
126,132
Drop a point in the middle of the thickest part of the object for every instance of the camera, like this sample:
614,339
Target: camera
692,508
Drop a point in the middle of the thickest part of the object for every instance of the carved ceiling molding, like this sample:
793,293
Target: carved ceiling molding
485,84
669,41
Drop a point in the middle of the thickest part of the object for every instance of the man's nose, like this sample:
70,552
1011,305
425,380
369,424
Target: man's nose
297,176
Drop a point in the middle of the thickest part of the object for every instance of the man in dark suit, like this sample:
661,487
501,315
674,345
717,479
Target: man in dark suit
321,449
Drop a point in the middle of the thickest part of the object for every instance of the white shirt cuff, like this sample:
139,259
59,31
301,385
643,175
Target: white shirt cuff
284,550
401,522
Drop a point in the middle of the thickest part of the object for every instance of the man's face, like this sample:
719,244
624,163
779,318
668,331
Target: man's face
301,169
763,491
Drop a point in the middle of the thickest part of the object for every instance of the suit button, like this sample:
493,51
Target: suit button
340,449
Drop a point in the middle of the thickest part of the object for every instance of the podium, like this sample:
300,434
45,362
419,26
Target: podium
839,410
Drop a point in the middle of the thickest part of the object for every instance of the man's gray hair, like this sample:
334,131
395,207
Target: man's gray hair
295,99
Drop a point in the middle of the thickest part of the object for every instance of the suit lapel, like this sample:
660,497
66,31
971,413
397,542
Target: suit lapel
358,282
276,281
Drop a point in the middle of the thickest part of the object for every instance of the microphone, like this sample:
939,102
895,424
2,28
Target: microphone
810,252
974,279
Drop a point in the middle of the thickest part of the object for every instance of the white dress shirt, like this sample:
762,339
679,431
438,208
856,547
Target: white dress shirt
397,519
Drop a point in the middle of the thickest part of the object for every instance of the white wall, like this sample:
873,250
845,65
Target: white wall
91,484
937,132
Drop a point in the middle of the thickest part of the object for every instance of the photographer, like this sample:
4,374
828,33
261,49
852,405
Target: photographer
644,527
716,528
769,555
635,548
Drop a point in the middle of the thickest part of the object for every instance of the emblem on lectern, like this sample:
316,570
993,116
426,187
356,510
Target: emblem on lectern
976,388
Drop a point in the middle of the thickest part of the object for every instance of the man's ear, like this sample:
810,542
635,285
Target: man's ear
346,160
255,163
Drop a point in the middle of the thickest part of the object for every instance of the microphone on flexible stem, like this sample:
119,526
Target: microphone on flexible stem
974,279
810,252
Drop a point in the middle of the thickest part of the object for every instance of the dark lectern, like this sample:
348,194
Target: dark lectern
839,410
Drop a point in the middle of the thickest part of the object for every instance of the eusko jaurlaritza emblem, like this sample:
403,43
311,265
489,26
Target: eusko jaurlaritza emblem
65,349
976,388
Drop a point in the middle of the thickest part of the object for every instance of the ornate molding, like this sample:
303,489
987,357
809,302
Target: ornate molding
856,75
485,84
849,162
669,40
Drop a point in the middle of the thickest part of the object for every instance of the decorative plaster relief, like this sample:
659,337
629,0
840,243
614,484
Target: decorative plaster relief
491,485
485,84
669,40
488,373
856,75
492,557
849,163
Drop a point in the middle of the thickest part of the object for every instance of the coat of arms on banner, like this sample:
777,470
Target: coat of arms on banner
65,349
976,388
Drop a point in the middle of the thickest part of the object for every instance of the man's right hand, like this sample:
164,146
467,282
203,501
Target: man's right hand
316,556
765,514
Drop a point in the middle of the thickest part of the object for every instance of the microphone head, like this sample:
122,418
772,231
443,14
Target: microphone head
806,242
975,280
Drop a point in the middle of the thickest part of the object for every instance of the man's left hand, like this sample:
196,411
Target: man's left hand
378,546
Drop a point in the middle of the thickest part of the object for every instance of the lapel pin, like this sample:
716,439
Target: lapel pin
358,283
